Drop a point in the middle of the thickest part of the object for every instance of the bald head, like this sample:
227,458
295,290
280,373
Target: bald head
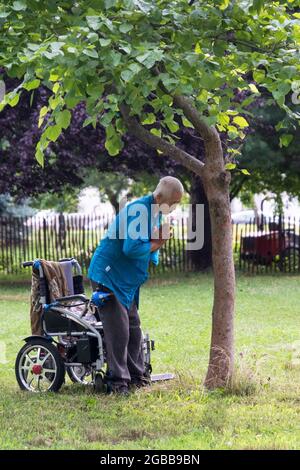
168,192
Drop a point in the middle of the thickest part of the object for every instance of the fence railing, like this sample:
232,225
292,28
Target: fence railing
267,245
77,235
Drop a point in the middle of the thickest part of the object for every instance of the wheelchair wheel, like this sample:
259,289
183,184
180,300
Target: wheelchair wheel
99,383
80,374
39,367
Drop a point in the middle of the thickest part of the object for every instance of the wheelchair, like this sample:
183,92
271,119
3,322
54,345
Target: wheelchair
72,339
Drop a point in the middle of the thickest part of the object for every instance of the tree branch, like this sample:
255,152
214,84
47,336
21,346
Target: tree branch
189,110
156,142
193,115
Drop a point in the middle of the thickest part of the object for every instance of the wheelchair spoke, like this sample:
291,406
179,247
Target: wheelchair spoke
28,359
38,360
45,359
49,371
46,379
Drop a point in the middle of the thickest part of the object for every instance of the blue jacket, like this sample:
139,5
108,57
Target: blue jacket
121,260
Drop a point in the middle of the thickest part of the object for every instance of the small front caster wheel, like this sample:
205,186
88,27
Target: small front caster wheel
99,384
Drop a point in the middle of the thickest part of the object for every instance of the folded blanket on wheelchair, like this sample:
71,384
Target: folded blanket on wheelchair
57,285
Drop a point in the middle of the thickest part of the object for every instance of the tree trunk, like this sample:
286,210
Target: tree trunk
200,259
216,182
62,231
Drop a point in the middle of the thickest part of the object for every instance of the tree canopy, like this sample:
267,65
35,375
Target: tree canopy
139,57
78,157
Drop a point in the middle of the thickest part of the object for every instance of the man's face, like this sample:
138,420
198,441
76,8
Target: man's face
170,204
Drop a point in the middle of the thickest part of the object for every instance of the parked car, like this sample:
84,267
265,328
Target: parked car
274,244
245,217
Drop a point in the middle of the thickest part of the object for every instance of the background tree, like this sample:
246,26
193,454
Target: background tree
138,64
273,160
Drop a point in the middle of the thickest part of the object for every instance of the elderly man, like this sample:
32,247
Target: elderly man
120,265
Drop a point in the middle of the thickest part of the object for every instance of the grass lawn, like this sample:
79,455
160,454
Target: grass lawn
261,412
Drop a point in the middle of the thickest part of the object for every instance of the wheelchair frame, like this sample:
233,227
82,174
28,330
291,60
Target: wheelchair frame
68,339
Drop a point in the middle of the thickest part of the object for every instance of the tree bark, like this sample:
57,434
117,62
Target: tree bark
216,181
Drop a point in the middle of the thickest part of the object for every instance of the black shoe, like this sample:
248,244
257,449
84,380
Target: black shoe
119,390
140,383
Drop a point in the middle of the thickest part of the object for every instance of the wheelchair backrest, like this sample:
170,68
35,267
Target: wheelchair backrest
72,273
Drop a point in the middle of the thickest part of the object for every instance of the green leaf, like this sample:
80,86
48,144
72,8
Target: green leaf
55,87
19,5
63,119
53,77
224,4
129,73
149,58
172,125
104,42
150,119
106,118
43,111
230,166
110,3
94,22
253,88
114,144
258,5
114,58
285,140
186,122
198,49
31,85
54,102
240,121
91,53
14,101
155,131
31,99
259,76
4,14
125,27
223,119
90,120
52,132
245,171
39,155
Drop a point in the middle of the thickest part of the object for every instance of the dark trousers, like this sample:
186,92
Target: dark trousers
123,340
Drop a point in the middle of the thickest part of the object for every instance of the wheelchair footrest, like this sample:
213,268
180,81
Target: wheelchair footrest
160,377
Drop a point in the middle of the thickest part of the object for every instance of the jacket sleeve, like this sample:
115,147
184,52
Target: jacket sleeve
154,257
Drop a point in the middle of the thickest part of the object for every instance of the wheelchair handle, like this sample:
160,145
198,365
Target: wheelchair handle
81,297
27,263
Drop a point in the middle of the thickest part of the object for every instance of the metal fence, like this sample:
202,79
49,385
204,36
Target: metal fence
262,245
77,235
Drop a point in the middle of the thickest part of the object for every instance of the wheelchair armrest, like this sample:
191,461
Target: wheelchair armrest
73,297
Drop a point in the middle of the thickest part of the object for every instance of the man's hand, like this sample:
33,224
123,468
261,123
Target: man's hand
160,236
164,232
